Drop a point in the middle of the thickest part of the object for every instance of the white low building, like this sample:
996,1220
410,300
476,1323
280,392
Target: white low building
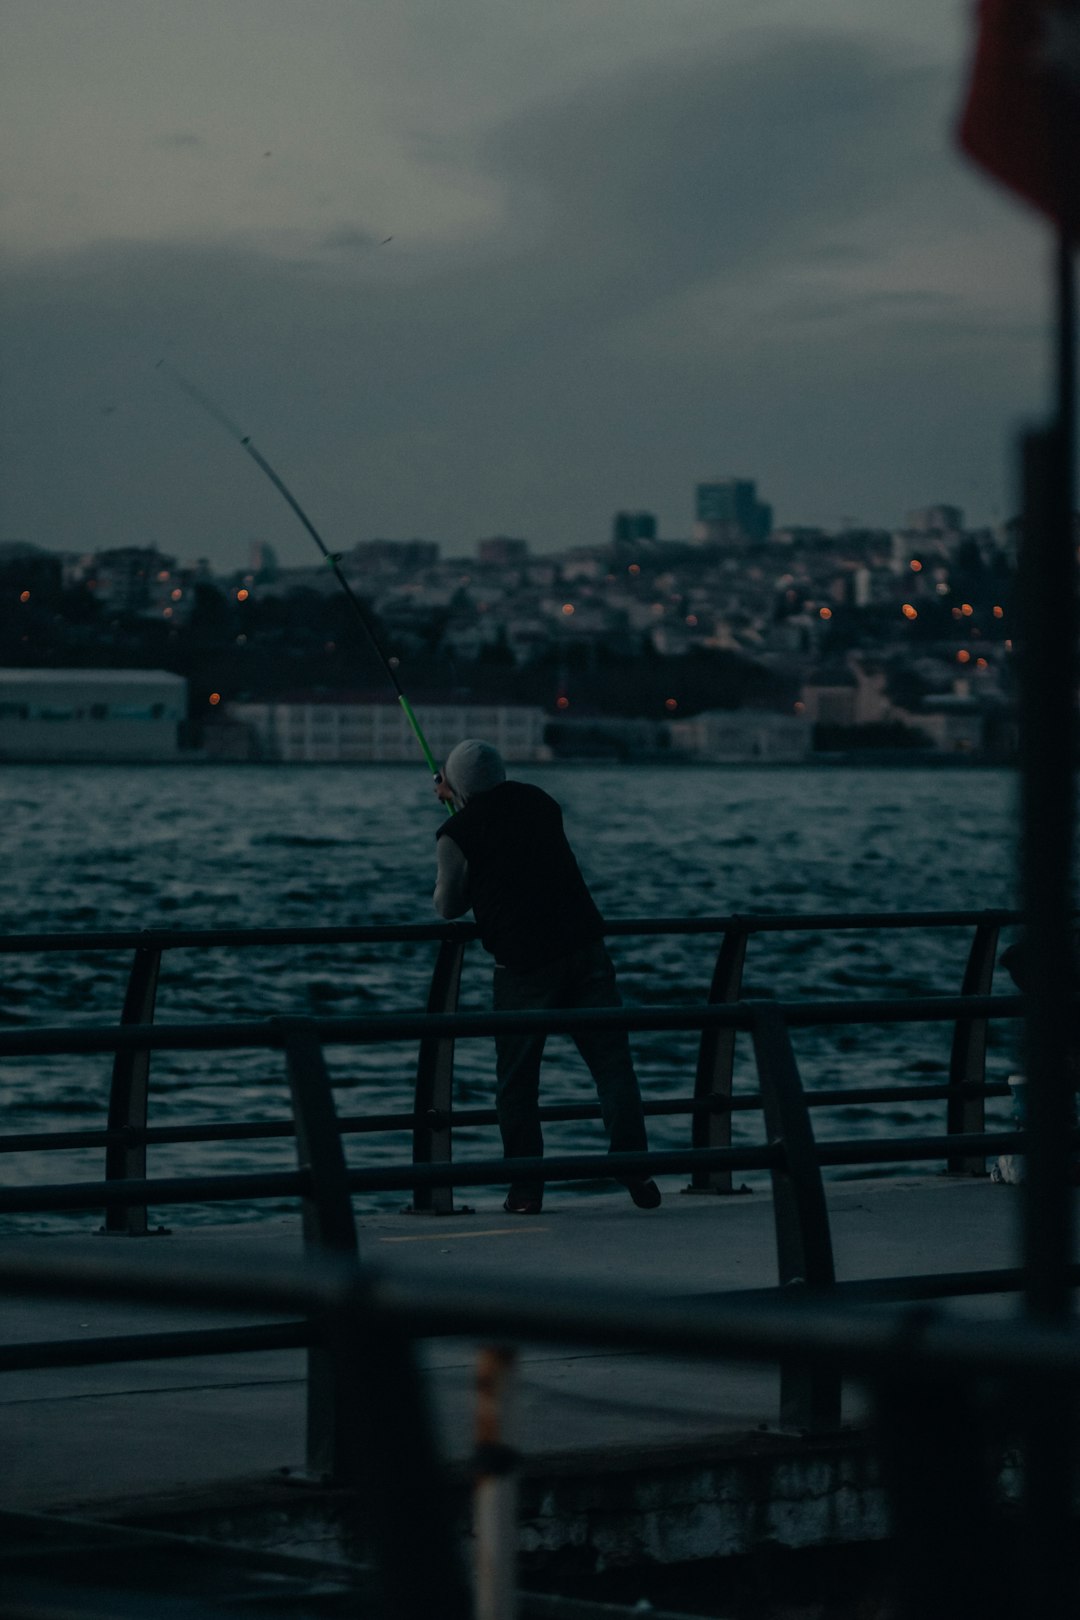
378,733
130,715
739,736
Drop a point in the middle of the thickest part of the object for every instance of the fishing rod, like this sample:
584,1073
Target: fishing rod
243,439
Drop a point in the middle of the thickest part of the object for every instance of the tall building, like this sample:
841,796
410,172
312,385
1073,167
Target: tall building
263,561
629,526
728,509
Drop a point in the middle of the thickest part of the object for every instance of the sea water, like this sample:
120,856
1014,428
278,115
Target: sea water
95,848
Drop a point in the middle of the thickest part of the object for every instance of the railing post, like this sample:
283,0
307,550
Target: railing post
809,1399
711,1128
332,1448
128,1095
495,1520
405,1502
967,1060
433,1100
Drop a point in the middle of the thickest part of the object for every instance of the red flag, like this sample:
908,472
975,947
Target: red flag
1022,118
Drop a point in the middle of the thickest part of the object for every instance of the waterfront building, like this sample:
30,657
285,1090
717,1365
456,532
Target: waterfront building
742,736
954,722
129,715
848,694
311,731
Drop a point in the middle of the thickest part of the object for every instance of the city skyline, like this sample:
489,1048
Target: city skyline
501,273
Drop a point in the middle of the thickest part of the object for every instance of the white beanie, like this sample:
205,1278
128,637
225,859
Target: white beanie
472,767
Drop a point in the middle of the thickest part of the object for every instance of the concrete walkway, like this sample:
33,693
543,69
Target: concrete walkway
94,1438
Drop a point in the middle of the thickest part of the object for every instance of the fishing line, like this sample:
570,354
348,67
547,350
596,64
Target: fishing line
214,410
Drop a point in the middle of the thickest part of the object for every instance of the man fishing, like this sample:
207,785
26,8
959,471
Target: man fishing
504,854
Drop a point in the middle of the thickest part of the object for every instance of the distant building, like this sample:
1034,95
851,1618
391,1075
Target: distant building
727,509
501,551
736,736
796,534
37,573
936,520
264,562
130,715
847,695
128,579
407,556
331,732
627,527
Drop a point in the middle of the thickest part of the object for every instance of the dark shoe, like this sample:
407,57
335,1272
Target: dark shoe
522,1204
646,1194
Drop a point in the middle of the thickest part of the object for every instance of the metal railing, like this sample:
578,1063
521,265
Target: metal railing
324,1184
711,1106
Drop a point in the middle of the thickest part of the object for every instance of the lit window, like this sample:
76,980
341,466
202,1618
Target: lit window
242,595
909,612
824,613
24,596
562,703
915,565
966,609
963,656
568,608
215,699
999,613
671,703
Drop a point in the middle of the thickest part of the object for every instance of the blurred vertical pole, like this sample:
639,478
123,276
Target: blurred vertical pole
1048,737
1021,123
495,1499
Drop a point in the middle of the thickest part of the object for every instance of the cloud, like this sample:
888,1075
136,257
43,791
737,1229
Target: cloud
764,260
350,238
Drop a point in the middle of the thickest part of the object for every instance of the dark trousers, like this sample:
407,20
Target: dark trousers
585,978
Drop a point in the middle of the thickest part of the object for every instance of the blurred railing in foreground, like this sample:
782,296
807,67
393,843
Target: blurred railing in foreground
928,1378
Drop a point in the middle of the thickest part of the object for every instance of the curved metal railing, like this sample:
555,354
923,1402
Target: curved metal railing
711,1106
324,1184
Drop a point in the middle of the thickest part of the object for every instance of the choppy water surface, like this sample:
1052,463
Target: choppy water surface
192,847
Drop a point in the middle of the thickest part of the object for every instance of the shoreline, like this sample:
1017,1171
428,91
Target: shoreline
865,759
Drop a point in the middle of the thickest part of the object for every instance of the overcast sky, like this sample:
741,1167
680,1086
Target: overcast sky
634,243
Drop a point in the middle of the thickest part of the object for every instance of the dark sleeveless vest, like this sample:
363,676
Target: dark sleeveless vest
528,896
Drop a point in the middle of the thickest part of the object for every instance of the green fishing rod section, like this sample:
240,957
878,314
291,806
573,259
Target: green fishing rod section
214,410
